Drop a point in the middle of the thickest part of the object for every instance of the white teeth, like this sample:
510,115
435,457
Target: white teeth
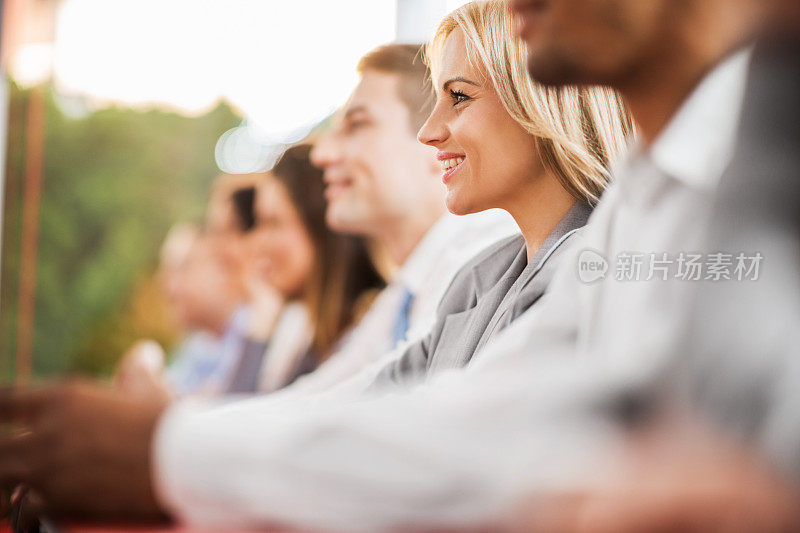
447,164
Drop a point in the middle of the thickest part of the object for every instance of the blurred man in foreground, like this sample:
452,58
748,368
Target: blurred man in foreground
552,408
712,439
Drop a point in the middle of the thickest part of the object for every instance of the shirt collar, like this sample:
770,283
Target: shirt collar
426,253
440,241
698,142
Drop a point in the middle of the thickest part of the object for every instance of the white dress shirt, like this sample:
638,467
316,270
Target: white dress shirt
463,448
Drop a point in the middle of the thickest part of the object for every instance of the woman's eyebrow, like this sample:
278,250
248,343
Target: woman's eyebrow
446,84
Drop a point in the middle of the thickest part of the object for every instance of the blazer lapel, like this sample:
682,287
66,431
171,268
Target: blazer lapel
462,331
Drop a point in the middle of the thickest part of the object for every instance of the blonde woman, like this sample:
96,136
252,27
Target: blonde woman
542,154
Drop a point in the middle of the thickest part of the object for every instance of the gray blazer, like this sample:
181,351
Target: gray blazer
486,295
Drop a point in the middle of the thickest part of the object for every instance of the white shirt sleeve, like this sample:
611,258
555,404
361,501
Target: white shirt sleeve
458,451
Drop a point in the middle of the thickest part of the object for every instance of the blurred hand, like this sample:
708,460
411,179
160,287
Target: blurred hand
266,304
677,477
141,371
83,448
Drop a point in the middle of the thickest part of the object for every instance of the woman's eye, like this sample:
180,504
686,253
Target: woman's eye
458,97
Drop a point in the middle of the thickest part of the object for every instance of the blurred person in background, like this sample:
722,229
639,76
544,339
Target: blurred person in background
141,368
212,296
213,304
229,214
308,285
204,291
203,273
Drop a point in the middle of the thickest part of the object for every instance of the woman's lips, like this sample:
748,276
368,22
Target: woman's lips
447,176
451,162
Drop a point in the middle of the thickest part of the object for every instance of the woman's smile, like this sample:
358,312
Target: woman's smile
451,162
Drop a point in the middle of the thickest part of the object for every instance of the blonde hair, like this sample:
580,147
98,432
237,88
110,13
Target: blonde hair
579,131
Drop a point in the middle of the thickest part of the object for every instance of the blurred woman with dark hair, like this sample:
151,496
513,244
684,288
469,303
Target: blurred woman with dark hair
308,284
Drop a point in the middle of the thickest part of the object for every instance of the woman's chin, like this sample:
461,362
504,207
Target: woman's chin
458,207
460,204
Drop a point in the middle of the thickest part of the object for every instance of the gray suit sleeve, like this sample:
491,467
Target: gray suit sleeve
408,368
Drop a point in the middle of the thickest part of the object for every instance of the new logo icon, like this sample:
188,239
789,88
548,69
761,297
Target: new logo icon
592,266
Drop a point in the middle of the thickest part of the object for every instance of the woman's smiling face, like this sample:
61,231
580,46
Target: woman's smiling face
487,157
281,249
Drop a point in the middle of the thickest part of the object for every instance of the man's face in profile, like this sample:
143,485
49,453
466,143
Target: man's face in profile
374,168
593,41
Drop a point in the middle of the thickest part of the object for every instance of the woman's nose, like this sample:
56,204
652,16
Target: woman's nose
434,131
